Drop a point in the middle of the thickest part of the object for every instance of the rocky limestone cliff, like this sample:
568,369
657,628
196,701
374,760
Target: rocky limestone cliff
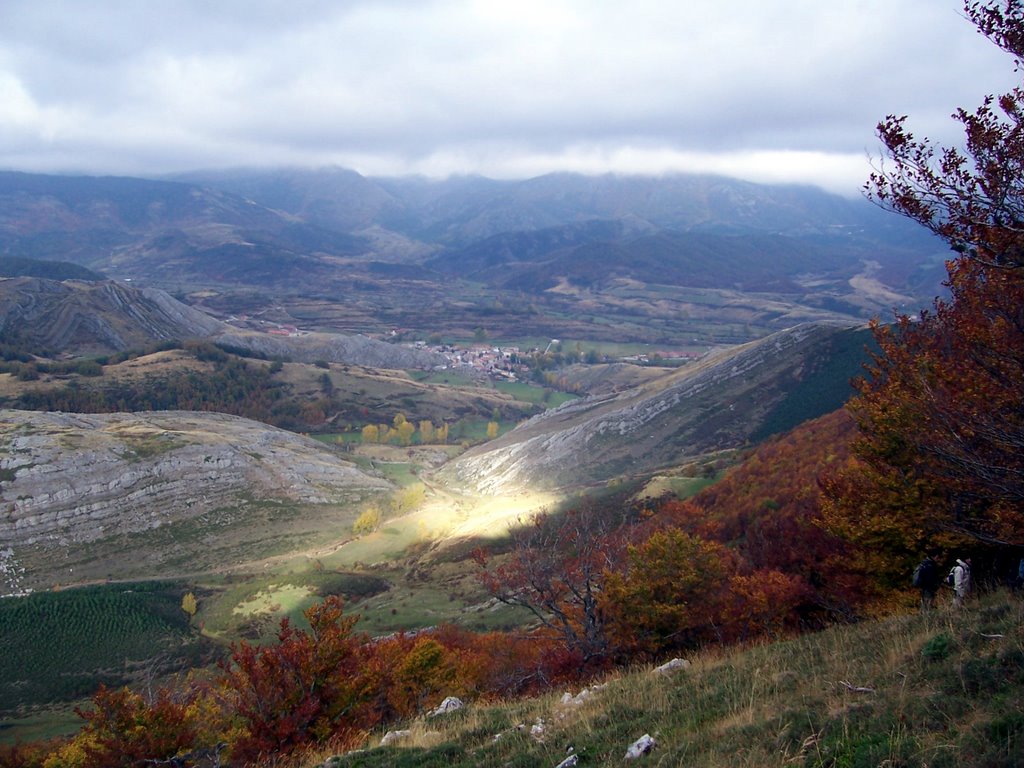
712,405
74,479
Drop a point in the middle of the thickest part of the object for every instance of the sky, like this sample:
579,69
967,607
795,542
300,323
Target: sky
766,90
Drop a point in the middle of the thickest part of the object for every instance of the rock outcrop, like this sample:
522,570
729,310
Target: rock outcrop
85,476
71,481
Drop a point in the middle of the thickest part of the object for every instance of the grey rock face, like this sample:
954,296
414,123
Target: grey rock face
95,316
79,478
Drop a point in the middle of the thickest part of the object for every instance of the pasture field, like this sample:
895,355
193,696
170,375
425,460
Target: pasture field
401,473
448,378
531,393
252,605
41,724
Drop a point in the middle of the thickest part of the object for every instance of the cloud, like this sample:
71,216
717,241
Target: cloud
768,91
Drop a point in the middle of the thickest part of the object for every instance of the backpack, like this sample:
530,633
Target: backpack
918,579
924,575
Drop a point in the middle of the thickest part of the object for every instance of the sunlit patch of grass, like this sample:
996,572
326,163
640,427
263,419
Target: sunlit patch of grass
679,486
227,603
276,599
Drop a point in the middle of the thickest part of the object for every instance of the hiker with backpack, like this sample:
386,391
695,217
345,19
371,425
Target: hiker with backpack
960,579
926,579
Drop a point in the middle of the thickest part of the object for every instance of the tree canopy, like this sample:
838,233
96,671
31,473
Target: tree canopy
941,412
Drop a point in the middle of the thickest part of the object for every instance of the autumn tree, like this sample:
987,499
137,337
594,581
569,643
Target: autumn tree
407,674
405,432
556,570
426,432
678,590
369,520
122,728
189,604
941,413
671,594
371,434
492,430
304,688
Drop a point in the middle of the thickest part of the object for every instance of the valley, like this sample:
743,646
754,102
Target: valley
610,458
263,401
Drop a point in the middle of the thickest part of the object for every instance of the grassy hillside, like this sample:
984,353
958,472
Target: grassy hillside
823,386
945,689
723,401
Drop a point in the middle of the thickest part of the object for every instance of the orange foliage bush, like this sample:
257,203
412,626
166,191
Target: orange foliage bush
306,687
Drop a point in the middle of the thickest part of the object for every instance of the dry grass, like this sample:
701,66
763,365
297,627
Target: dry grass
939,690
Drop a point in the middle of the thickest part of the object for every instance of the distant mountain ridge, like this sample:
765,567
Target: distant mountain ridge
462,209
528,234
749,262
141,225
97,318
93,317
370,253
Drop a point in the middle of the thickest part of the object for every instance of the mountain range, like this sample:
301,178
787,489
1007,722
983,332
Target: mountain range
472,252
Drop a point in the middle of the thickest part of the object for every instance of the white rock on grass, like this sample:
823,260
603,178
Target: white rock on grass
568,700
450,704
640,747
569,762
392,736
669,667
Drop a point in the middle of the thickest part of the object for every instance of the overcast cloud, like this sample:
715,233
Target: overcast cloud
769,91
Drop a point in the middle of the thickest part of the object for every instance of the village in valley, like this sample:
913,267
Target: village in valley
487,360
